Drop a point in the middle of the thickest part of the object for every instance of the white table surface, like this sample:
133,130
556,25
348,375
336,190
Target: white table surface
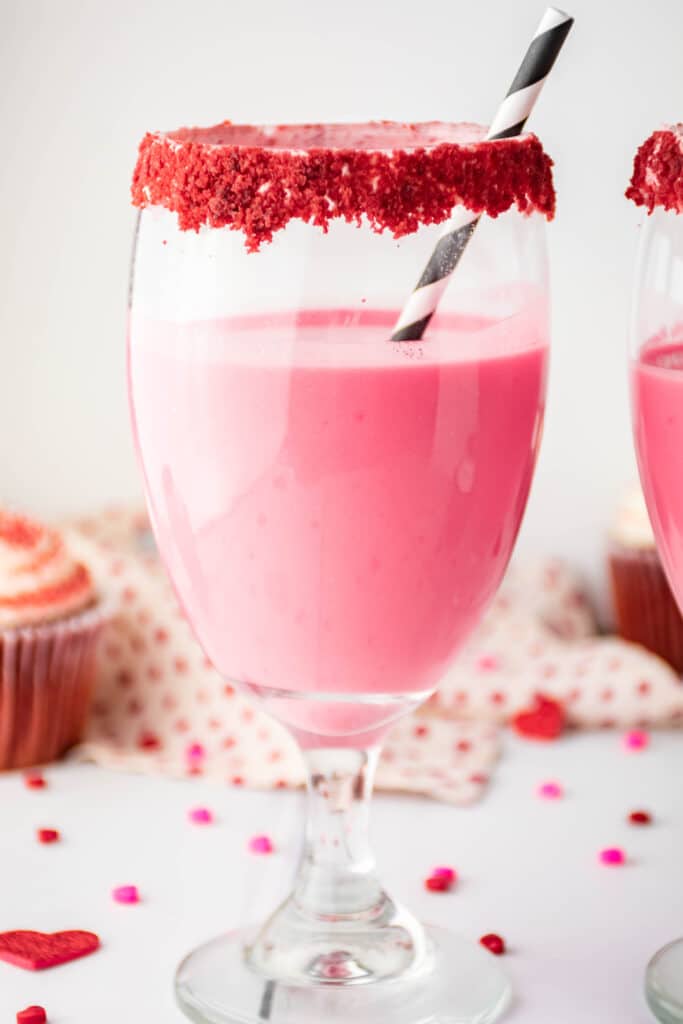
579,933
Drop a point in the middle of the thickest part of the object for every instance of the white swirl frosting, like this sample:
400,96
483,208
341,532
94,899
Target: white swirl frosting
40,581
632,528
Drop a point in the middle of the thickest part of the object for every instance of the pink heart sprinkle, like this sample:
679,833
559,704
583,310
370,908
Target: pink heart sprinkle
200,816
195,752
448,873
637,739
261,844
612,856
550,791
126,894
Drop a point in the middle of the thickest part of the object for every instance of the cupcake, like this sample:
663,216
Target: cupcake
50,617
644,608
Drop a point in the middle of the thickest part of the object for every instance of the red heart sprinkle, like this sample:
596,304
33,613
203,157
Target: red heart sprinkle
48,835
35,951
493,943
437,884
545,720
640,817
32,1015
34,780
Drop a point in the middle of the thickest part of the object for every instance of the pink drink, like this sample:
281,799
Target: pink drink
335,510
657,383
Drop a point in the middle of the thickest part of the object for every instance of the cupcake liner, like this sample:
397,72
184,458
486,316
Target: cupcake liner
47,674
645,610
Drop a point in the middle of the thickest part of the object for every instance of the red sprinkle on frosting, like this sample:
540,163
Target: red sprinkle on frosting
19,532
657,178
397,176
77,581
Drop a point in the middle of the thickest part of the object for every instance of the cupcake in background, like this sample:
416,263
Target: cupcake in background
644,607
50,616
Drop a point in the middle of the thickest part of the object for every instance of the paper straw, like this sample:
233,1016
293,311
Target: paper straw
508,122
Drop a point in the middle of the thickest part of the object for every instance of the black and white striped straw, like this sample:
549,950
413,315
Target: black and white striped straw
508,122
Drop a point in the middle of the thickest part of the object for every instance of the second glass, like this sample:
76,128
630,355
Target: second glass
657,401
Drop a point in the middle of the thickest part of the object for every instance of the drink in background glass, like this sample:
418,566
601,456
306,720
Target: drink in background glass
334,509
657,403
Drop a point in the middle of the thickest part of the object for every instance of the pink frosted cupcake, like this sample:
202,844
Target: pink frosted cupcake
50,616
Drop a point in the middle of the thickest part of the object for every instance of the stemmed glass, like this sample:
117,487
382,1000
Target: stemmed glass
657,401
335,511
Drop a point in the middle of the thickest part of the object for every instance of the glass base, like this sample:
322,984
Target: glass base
459,983
664,984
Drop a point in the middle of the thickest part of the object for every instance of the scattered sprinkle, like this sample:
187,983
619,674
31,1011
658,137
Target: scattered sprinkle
126,894
545,719
436,883
494,943
550,791
48,835
448,873
441,879
640,818
38,951
612,856
32,1015
34,780
200,816
637,739
261,844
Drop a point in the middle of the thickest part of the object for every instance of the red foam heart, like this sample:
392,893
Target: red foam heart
35,951
32,1015
544,721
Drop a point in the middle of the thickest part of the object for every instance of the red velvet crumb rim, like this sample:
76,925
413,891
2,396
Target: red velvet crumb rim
657,178
256,179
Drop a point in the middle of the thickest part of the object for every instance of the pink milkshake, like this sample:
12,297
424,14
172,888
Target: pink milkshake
335,510
657,393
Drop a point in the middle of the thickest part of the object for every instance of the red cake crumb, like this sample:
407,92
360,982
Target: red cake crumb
396,176
657,178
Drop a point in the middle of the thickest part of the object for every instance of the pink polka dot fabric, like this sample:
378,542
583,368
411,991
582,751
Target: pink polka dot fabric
158,698
540,636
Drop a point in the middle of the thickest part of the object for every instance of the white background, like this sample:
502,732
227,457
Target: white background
81,81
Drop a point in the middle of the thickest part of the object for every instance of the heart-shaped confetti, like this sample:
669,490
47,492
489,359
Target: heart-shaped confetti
32,1015
544,721
34,951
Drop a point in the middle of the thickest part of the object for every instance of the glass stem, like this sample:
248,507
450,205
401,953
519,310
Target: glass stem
338,926
337,878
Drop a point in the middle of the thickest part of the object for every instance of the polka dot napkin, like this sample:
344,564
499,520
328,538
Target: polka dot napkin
160,706
539,637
